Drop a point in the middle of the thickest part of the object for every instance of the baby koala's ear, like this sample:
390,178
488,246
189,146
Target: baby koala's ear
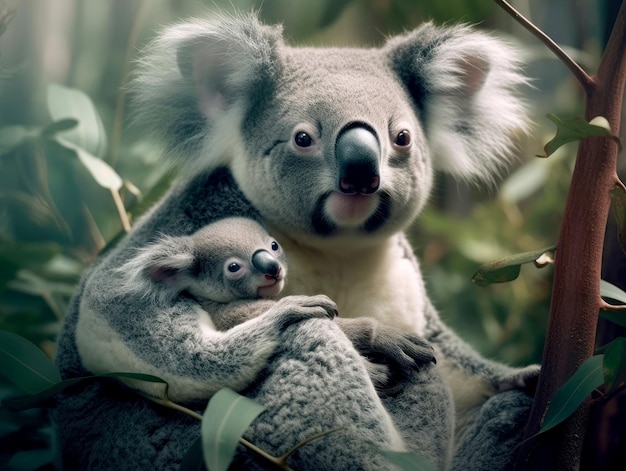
465,87
170,268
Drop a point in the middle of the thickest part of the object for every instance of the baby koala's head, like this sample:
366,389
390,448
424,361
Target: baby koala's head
230,259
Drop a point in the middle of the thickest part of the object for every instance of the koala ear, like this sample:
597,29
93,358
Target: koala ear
194,81
169,268
228,59
464,85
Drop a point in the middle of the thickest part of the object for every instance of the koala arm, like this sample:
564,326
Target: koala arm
386,351
457,354
225,316
462,356
389,353
178,343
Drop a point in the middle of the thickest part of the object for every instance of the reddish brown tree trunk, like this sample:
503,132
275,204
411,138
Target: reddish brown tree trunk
576,289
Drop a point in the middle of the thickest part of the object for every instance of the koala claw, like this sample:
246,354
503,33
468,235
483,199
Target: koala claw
390,353
521,378
297,308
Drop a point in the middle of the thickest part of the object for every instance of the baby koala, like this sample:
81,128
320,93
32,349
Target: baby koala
228,267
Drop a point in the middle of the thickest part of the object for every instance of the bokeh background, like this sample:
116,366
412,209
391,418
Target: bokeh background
55,217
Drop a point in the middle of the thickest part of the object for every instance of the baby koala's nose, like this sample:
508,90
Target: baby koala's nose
266,263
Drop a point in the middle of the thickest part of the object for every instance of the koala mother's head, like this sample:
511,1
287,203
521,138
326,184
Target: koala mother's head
332,142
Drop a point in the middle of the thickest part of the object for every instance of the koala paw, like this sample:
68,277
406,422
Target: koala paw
390,353
292,309
524,379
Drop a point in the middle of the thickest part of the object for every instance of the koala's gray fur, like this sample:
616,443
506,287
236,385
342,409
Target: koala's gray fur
113,327
200,266
336,150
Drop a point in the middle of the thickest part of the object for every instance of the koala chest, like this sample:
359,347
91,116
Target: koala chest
377,281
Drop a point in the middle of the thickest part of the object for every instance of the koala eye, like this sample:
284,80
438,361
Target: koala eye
234,267
303,139
403,138
275,246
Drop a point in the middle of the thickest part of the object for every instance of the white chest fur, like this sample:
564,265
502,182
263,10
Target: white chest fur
377,281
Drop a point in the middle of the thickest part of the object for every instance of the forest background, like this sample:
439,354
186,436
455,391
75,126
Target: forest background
55,216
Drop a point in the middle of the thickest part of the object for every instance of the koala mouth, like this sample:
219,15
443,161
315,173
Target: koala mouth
271,286
335,211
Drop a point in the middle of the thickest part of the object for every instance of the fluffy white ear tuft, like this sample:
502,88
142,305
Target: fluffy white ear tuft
465,85
158,270
195,80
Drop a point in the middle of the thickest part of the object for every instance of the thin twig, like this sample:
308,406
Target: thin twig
307,440
121,210
604,306
619,182
280,461
585,80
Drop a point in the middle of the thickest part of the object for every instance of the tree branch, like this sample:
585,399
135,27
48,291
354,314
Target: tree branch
583,78
576,287
604,306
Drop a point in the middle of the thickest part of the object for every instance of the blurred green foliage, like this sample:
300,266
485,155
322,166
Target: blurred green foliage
56,214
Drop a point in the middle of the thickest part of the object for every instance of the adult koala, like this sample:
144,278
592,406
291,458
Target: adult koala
336,149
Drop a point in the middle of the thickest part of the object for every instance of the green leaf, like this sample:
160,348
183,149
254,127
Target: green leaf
614,365
192,459
616,317
11,137
618,204
507,268
409,461
609,290
59,126
226,418
38,399
101,172
572,394
72,103
525,181
570,130
27,254
25,365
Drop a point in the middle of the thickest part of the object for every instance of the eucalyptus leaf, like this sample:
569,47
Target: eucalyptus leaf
616,317
614,365
609,290
409,461
618,204
225,419
506,268
192,459
38,399
28,254
31,283
25,365
59,126
72,103
570,130
101,172
525,181
575,390
11,137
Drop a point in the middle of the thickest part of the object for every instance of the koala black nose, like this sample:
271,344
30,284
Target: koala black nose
266,263
358,154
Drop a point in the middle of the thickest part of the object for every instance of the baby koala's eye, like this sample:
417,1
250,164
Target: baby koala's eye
303,139
234,267
403,138
275,246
